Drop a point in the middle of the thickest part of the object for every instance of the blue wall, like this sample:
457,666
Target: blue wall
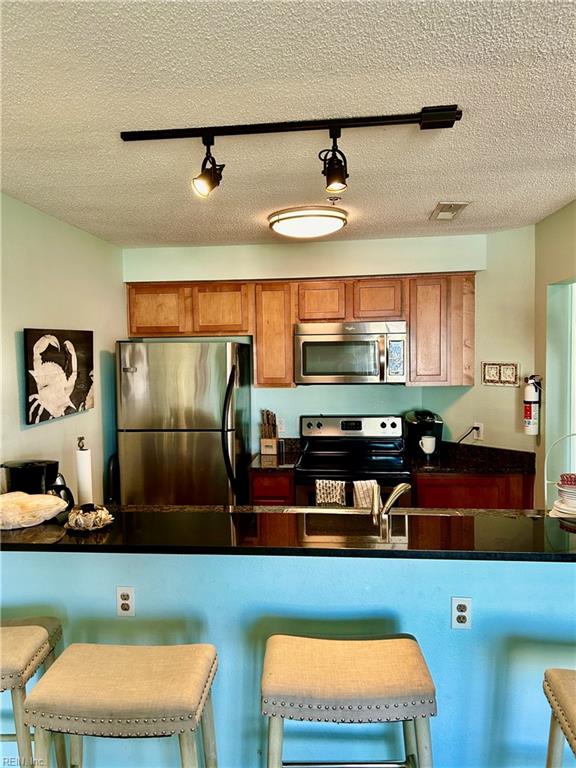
492,711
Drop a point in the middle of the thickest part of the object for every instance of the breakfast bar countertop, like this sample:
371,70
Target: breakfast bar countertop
502,534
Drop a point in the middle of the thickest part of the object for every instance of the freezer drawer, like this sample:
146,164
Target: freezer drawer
173,468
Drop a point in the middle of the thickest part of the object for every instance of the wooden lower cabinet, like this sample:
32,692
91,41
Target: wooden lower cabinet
463,491
274,335
274,489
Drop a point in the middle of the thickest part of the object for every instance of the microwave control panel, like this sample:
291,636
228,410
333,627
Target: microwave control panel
351,426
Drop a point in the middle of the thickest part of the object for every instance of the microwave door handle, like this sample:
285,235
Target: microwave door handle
382,357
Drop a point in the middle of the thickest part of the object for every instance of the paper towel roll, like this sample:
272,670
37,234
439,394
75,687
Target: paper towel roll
84,476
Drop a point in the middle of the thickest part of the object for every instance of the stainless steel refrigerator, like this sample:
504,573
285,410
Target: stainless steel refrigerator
183,412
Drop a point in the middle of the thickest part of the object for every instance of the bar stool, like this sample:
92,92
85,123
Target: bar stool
26,645
126,691
560,690
349,681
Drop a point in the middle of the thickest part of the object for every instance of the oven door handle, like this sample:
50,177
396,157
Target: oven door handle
382,357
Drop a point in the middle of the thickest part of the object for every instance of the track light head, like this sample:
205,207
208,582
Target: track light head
335,166
211,174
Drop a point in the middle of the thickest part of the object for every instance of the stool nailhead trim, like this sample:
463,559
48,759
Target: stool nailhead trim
133,732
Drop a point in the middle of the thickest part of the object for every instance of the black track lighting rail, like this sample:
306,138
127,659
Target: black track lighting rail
428,117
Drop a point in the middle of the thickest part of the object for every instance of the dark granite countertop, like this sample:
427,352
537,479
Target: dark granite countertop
496,534
450,458
460,458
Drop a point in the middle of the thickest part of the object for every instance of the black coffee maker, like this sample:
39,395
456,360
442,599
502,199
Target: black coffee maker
420,424
37,476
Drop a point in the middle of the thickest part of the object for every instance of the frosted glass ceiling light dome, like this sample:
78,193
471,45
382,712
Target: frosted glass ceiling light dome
308,221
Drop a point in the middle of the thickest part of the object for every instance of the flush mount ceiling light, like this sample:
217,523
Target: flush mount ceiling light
308,221
335,166
211,174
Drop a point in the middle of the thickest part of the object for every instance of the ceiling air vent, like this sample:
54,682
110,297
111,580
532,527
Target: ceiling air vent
447,211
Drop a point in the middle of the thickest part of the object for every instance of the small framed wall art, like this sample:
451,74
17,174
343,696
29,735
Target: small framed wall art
501,374
59,373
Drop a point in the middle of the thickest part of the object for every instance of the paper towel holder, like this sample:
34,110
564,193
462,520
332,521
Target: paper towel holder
81,446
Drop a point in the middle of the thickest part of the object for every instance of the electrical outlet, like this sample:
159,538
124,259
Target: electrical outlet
461,613
125,605
281,424
479,431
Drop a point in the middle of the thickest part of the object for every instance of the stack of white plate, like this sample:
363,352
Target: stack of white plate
565,505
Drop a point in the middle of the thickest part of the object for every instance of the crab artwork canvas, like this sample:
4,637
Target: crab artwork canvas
59,373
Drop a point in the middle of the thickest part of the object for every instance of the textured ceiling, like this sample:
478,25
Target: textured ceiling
76,73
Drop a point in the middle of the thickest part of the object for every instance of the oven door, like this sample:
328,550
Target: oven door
339,359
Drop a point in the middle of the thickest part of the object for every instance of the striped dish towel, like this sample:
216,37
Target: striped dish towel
363,493
331,492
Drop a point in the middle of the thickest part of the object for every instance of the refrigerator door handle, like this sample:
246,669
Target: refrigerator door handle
224,431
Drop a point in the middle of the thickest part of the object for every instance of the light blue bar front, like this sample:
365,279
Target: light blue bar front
491,708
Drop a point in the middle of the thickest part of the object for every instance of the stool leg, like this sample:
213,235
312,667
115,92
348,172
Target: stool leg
209,734
422,727
410,748
22,731
75,751
188,751
42,742
555,744
275,739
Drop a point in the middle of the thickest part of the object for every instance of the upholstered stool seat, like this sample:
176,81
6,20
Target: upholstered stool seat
128,692
25,645
560,690
348,681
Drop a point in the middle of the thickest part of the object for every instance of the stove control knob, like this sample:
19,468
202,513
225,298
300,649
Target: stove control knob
309,425
393,425
319,424
383,425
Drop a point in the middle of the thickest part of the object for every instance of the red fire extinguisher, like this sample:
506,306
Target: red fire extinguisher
532,399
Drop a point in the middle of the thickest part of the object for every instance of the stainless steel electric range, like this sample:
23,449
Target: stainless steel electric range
349,448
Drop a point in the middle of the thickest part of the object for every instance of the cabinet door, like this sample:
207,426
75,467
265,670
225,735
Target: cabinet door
322,300
271,489
221,308
377,299
158,308
274,343
465,491
274,489
441,330
474,491
428,330
461,319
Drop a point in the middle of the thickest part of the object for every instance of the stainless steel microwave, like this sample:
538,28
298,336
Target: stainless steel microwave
350,353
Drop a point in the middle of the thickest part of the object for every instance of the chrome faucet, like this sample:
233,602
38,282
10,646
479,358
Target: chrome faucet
380,516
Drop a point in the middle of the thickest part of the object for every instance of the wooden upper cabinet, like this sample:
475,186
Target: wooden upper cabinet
462,303
441,330
322,300
377,299
274,341
221,308
428,330
158,308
